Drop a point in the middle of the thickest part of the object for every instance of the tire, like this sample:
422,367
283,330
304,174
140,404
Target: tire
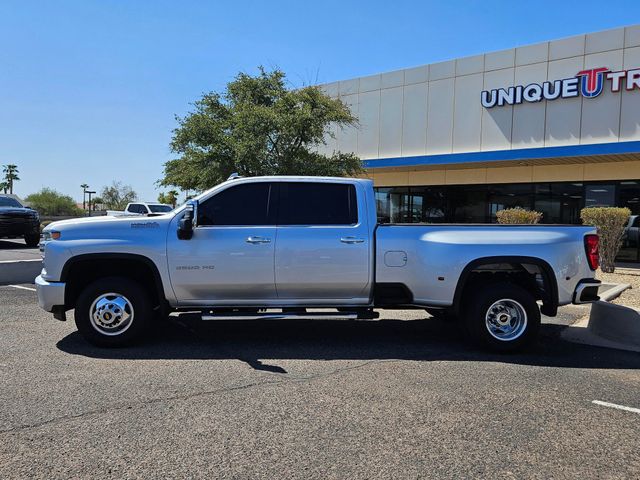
502,317
113,312
32,240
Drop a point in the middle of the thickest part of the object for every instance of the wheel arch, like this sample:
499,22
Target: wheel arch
92,266
549,294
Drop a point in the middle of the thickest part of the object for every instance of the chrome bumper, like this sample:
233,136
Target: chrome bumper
50,294
586,291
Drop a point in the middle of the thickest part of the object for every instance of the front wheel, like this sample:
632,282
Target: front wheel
32,239
503,317
113,312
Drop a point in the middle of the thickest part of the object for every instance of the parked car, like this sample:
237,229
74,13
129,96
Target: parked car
141,208
631,232
19,221
298,244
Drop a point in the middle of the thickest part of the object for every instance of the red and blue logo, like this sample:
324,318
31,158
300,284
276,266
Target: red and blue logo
592,81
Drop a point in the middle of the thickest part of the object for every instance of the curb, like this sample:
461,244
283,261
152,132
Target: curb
19,271
613,292
608,325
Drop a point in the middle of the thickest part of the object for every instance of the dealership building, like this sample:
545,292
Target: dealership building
553,127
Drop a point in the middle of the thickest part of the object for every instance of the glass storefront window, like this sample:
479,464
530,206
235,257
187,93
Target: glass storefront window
428,204
509,196
600,195
467,203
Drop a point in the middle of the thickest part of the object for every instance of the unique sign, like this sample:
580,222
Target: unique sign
587,83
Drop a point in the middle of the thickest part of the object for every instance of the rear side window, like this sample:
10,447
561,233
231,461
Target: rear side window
137,208
245,204
306,203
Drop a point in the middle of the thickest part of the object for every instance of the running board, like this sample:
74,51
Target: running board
298,316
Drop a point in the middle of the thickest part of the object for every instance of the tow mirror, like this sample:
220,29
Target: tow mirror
188,221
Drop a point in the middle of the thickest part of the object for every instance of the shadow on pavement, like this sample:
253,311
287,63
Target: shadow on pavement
15,245
185,337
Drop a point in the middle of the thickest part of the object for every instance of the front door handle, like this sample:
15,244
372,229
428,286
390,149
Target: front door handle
352,240
256,240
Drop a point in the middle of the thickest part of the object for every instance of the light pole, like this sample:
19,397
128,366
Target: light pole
84,187
90,192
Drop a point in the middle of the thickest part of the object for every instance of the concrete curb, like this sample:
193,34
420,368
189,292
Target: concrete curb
19,271
613,292
609,325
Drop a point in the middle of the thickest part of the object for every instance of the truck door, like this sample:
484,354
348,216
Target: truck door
229,259
323,247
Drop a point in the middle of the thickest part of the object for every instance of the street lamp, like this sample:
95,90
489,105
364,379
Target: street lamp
84,187
90,192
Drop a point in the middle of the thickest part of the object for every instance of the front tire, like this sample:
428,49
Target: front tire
113,312
503,317
32,240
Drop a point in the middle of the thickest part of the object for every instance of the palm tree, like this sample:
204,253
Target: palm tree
172,197
10,175
4,186
84,187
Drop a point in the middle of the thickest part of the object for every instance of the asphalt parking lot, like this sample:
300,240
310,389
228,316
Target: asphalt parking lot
401,397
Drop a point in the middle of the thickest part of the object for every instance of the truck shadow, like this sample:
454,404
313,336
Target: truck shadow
258,342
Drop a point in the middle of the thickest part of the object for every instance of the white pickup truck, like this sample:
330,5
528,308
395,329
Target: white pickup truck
309,247
141,208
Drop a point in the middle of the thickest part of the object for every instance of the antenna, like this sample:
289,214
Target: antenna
234,175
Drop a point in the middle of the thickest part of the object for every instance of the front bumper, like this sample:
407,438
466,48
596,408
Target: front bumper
50,294
586,291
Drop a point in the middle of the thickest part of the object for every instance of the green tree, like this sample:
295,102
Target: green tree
257,126
169,198
4,186
49,202
10,173
116,196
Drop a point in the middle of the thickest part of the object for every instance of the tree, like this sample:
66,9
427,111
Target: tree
10,173
116,196
258,127
49,202
4,186
169,198
95,201
609,223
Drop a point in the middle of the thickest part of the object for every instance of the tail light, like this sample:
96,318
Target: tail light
591,248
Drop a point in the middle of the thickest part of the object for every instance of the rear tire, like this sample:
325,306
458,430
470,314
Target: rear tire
502,317
113,312
32,240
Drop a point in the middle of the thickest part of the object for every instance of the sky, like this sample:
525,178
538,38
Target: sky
89,89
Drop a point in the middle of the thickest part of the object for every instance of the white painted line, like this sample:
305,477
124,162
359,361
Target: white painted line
23,260
22,288
615,405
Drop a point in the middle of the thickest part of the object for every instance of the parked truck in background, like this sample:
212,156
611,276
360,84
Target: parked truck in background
19,221
309,247
141,208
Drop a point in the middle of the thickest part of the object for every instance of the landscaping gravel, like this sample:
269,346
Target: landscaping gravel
631,296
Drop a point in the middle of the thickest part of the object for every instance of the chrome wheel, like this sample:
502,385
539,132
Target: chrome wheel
111,314
506,320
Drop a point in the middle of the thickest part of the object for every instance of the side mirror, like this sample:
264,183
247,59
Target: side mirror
188,221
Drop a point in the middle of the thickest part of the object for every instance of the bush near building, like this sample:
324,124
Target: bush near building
610,223
518,215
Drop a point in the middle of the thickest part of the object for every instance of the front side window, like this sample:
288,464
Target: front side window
306,203
246,204
160,208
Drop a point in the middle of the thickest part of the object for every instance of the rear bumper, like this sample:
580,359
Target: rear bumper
586,291
50,294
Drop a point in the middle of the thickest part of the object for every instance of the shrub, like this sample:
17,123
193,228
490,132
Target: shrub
49,202
610,223
518,215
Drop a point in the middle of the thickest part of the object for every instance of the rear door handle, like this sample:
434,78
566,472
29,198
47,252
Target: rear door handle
255,240
352,240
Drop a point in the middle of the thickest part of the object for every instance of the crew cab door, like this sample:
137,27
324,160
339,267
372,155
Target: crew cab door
323,247
229,259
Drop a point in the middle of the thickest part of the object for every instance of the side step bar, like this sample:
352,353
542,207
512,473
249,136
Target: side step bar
299,316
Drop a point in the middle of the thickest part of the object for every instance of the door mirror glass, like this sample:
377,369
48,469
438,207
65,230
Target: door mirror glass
187,222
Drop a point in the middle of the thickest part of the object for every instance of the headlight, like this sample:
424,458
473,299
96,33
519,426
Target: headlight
50,235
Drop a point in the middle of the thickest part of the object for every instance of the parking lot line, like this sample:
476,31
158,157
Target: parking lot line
615,405
22,288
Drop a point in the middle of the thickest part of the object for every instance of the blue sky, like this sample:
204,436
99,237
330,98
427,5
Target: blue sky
89,89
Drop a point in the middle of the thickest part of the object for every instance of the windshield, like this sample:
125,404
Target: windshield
160,208
9,202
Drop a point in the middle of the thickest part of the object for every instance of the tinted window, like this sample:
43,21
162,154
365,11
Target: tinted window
246,204
160,208
9,202
137,208
317,204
